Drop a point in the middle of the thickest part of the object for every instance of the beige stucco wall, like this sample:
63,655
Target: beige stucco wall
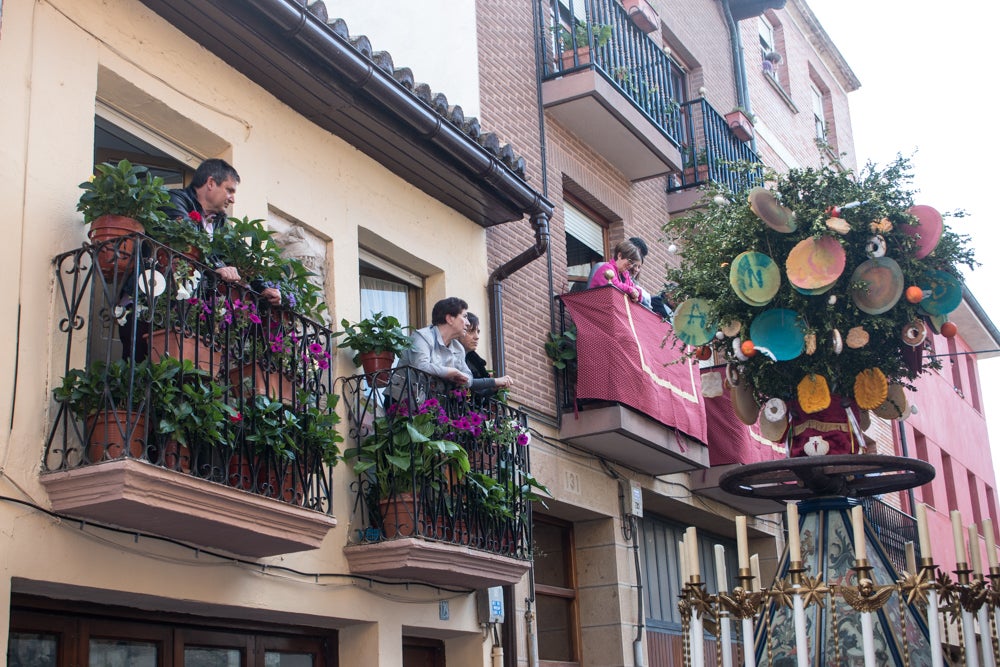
59,57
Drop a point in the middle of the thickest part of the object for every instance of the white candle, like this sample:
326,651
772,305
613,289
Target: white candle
959,537
691,539
977,562
991,545
911,558
858,521
755,571
742,546
794,548
922,533
721,578
682,553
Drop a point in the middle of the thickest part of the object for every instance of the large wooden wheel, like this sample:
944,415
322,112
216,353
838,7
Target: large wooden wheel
848,475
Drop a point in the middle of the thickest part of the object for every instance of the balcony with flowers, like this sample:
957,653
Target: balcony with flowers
186,406
444,489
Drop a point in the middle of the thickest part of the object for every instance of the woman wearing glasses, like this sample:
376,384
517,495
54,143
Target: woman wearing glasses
618,271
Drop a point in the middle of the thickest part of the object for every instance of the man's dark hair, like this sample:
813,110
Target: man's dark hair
641,245
445,307
216,169
473,320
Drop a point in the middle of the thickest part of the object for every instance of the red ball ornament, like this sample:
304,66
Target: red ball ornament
703,353
914,294
747,348
949,329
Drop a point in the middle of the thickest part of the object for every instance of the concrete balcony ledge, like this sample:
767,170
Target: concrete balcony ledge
140,496
618,433
590,107
438,563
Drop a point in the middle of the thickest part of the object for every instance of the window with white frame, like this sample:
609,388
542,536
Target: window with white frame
819,117
389,289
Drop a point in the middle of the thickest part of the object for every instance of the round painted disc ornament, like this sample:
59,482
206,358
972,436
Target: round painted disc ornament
755,278
781,331
944,293
883,281
691,322
929,228
777,217
815,264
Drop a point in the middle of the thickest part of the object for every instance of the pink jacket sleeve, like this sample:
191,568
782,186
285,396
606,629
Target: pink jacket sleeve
625,284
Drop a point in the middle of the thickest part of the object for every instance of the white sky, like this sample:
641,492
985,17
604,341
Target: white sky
928,83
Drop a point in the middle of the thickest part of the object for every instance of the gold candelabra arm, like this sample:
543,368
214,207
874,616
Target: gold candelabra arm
741,603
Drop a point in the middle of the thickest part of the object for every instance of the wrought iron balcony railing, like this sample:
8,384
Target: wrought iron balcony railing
599,34
213,382
437,463
894,529
712,153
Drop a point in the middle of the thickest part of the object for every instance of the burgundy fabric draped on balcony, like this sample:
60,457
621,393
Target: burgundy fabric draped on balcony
731,441
621,357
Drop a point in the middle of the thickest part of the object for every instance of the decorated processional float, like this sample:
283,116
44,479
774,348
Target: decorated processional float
814,294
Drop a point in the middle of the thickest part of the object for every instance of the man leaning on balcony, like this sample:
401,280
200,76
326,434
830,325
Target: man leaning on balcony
211,192
437,350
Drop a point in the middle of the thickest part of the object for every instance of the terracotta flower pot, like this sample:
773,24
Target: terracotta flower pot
177,456
582,57
255,475
273,385
163,257
398,516
109,432
114,254
169,343
377,366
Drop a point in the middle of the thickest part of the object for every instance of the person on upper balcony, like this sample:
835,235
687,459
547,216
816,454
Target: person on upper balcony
438,351
617,271
210,194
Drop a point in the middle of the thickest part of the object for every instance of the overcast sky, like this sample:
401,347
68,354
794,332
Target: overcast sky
927,85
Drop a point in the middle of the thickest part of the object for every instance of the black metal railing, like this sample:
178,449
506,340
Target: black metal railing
164,363
712,153
598,34
894,528
574,34
411,432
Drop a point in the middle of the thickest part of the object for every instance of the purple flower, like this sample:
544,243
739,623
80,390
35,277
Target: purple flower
523,439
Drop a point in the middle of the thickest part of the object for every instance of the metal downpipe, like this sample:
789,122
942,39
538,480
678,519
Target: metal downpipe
540,222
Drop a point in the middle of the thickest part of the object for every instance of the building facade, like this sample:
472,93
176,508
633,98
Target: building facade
552,145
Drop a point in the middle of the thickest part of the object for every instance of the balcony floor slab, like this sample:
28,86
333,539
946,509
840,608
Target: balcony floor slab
590,107
621,434
433,562
140,496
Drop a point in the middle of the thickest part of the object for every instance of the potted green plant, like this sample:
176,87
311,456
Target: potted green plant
576,45
318,432
403,454
109,399
119,200
190,409
185,235
376,341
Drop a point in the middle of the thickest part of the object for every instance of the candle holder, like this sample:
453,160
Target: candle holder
972,593
743,602
698,599
866,596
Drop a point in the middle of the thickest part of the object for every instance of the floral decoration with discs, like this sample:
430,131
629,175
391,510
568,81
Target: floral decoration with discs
817,293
